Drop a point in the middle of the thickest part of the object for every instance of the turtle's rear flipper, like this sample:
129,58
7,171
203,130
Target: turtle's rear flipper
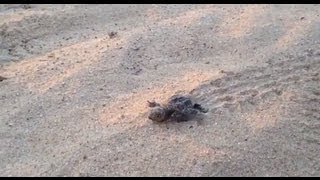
200,108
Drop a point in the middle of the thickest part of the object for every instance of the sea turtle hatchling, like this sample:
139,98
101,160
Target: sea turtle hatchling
178,108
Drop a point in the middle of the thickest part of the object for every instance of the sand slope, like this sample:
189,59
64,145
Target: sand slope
74,101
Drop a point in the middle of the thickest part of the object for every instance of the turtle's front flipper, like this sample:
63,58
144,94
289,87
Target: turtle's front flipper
200,108
179,117
184,115
152,104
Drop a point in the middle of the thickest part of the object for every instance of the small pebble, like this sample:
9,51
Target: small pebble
112,34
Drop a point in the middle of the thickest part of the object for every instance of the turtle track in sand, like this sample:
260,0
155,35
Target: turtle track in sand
276,108
258,84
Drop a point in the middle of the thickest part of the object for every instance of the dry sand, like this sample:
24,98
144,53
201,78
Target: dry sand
74,101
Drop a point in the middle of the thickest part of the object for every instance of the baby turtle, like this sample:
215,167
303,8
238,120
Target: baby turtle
179,108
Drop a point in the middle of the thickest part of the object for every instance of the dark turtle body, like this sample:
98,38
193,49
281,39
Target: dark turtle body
178,108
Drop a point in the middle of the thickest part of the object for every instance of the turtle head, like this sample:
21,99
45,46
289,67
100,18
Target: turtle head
157,114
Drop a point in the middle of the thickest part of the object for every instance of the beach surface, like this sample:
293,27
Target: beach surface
75,80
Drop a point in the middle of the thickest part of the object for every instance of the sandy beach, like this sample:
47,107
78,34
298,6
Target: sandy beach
75,80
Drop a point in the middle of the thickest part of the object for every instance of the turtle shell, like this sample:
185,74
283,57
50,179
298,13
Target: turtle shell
179,103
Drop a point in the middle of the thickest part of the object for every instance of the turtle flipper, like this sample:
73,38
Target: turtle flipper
200,108
184,115
153,104
179,117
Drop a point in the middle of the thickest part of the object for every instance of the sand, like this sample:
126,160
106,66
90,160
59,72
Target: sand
76,79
